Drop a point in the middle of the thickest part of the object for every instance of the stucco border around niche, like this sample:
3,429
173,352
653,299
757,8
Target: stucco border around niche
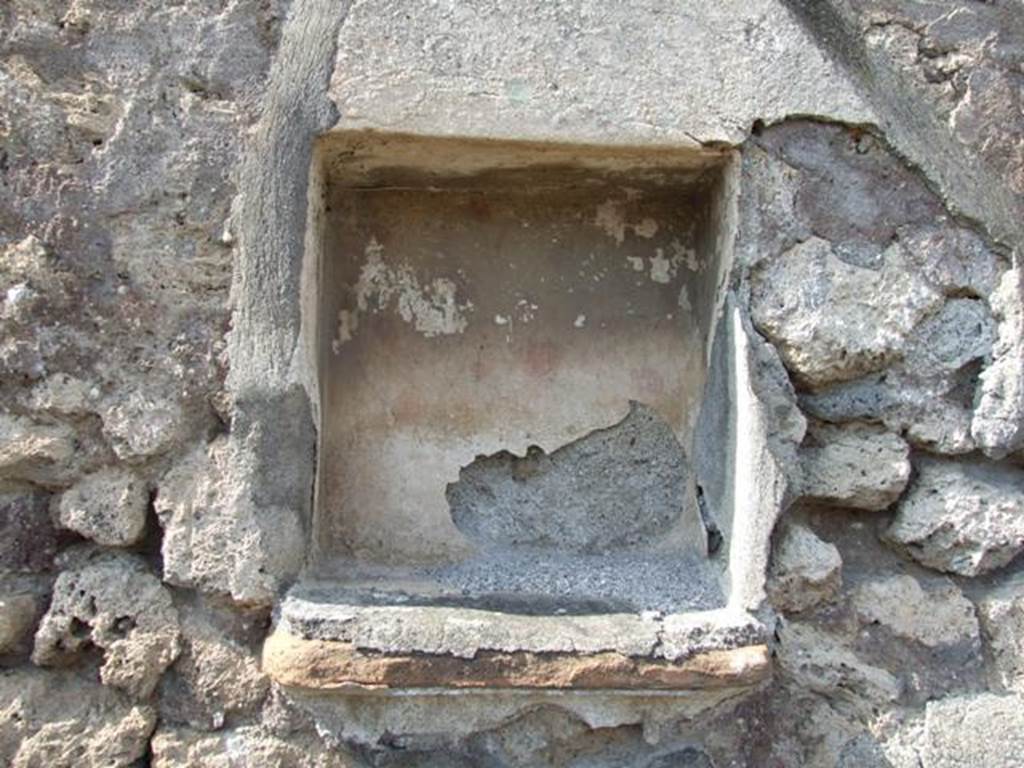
273,385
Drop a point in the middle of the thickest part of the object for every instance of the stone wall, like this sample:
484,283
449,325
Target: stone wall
877,254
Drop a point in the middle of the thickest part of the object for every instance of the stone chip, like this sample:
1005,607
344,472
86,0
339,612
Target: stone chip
998,425
28,540
214,678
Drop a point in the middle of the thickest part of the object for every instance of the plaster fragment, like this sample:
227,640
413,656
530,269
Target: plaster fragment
432,308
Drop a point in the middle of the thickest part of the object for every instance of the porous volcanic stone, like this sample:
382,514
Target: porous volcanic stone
962,517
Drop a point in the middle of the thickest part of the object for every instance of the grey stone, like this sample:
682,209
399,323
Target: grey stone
862,751
618,487
1001,611
974,730
35,453
140,425
57,720
28,540
934,616
833,321
32,289
244,747
214,679
953,259
805,570
216,537
922,411
18,612
855,465
111,601
822,663
689,757
108,506
768,222
998,424
961,517
64,395
961,332
852,190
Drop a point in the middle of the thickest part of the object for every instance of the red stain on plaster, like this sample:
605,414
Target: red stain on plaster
542,358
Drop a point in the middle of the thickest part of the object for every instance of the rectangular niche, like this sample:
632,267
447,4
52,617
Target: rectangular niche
512,344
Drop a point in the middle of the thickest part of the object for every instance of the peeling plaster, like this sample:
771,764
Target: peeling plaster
432,308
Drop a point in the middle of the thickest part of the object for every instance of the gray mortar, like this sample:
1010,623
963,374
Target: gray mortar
616,487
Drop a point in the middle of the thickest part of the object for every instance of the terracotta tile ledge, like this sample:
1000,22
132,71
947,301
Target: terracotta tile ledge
337,665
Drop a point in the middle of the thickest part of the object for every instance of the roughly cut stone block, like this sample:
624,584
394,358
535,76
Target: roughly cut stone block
962,517
981,730
998,424
108,507
28,540
216,538
617,487
954,259
113,603
34,453
214,678
855,465
1002,620
926,396
823,664
920,410
55,719
140,426
252,745
63,394
690,757
17,617
936,616
833,321
955,336
805,570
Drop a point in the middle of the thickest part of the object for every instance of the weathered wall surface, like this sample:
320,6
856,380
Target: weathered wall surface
877,255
